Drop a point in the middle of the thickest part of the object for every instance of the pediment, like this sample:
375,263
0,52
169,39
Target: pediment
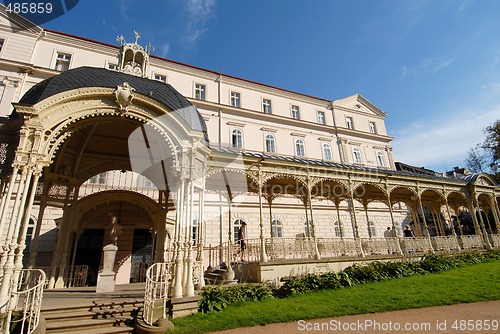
359,103
16,22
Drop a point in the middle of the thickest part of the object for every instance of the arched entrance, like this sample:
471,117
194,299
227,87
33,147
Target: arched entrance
77,138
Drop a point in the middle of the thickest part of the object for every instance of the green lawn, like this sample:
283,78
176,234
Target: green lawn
472,283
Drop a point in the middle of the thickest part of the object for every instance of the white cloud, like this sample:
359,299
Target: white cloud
442,141
429,65
491,89
164,50
198,13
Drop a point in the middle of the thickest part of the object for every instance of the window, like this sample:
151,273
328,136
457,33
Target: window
276,229
380,159
236,228
327,151
235,99
62,61
295,112
321,117
336,228
300,150
266,106
356,155
270,144
348,122
308,230
112,67
195,232
160,77
199,91
98,179
372,127
2,42
237,138
29,234
373,230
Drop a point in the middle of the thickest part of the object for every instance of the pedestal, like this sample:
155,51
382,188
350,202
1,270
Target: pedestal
106,277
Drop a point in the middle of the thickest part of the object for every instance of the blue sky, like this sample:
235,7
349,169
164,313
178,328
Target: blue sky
432,65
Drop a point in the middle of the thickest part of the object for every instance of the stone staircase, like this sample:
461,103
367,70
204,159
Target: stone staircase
104,317
217,275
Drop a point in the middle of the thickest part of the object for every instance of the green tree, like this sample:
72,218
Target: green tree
477,160
492,145
485,157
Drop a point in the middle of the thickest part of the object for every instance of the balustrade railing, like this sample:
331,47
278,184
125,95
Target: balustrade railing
73,276
415,246
304,248
471,242
158,282
380,246
495,240
446,244
24,304
336,247
290,248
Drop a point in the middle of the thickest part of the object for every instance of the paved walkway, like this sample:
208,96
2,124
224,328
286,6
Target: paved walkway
470,318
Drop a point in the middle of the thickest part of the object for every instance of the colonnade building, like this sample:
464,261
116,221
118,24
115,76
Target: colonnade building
108,144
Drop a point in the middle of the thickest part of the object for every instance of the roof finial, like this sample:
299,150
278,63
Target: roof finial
136,36
120,39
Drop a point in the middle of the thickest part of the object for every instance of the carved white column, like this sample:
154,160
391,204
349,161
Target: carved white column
263,255
201,237
426,230
315,240
27,214
177,287
486,239
6,199
189,287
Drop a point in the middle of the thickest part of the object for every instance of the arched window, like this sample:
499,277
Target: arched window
276,229
195,232
300,149
356,155
380,159
373,230
327,151
270,144
236,228
336,228
237,138
308,229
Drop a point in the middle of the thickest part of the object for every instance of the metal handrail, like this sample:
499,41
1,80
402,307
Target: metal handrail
26,297
158,279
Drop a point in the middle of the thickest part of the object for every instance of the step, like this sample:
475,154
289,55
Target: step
95,307
107,330
73,325
97,314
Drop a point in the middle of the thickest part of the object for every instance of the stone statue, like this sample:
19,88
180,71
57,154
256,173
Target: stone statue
115,230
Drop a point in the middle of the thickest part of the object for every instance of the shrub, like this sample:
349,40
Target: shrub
217,298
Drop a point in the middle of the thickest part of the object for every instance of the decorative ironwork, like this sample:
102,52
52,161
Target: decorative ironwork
446,244
158,281
471,242
3,153
26,287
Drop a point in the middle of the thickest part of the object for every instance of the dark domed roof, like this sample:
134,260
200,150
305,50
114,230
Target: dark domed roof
82,77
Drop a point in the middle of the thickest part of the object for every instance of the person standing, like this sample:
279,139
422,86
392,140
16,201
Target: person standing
242,233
